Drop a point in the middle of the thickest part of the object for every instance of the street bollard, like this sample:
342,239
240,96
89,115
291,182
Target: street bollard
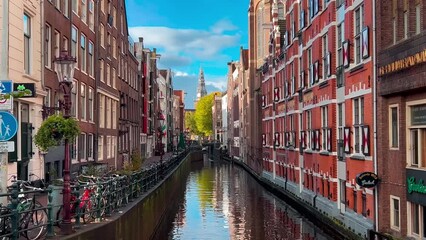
50,215
76,204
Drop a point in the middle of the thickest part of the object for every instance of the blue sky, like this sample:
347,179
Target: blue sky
192,34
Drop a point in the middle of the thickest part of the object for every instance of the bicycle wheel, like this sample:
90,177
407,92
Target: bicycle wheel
5,224
35,222
87,211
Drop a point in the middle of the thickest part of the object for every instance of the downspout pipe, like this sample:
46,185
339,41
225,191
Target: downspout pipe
376,201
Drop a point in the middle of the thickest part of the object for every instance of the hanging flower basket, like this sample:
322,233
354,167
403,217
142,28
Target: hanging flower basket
54,130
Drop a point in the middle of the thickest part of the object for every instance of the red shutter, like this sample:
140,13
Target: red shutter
346,53
346,139
329,140
365,146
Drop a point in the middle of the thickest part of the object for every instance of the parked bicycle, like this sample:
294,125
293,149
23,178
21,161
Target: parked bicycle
32,214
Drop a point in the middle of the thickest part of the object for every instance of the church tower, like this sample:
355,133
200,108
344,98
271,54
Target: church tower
201,89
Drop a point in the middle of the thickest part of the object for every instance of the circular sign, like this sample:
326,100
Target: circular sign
8,126
367,179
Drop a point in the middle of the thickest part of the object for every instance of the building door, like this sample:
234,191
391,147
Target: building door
342,188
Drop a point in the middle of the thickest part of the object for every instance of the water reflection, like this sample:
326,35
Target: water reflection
222,201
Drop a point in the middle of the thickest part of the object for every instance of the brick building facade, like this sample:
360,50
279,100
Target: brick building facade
401,85
316,70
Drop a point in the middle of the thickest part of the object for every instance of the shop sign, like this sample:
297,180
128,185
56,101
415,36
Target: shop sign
367,179
416,186
404,63
418,114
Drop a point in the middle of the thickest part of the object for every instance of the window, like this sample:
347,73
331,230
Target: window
57,4
82,146
393,126
108,139
66,8
108,76
364,204
259,34
47,98
114,19
114,50
73,99
27,44
114,114
108,113
101,70
339,40
83,101
292,30
103,6
83,11
122,24
325,63
358,110
89,146
340,115
358,25
324,128
48,47
102,34
73,149
65,43
100,147
342,187
395,217
91,67
83,53
75,6
355,193
311,68
309,130
57,44
91,15
417,220
114,78
74,40
90,104
101,111
418,16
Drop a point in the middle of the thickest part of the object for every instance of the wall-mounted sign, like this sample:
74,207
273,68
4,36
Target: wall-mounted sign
418,114
24,90
404,63
416,186
367,179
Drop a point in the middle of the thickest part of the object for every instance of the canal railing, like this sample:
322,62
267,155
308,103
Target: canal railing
93,199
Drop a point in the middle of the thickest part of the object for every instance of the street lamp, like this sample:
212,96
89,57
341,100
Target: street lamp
160,147
64,68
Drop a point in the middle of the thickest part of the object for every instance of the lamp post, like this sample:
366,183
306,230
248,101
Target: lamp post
64,68
160,147
177,139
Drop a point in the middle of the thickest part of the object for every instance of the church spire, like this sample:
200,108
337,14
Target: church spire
201,89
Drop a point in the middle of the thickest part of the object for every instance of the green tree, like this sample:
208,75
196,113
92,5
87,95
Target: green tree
190,123
203,114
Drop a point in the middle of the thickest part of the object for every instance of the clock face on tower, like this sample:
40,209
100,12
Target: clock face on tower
198,94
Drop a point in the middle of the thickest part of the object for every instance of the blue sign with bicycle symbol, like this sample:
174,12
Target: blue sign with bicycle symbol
8,126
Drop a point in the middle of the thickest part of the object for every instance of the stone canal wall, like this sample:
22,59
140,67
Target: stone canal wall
316,210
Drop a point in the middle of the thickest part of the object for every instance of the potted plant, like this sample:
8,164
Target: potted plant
54,130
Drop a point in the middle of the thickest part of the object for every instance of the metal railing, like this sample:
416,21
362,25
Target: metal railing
93,198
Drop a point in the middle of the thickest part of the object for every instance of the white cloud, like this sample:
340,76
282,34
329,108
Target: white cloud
180,74
219,84
200,44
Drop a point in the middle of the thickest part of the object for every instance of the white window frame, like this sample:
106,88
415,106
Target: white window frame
339,43
391,146
66,9
100,147
75,4
74,43
114,49
114,114
358,103
325,63
392,213
91,59
310,67
101,110
421,212
114,78
108,113
292,79
74,91
27,30
102,70
89,141
410,129
57,44
91,104
309,129
91,15
324,128
358,33
83,101
84,11
108,143
83,151
108,74
102,33
83,47
418,17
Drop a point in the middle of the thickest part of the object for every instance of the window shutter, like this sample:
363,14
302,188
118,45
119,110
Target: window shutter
13,156
346,53
329,145
346,140
365,146
26,141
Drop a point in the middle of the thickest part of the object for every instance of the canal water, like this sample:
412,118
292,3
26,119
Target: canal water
219,200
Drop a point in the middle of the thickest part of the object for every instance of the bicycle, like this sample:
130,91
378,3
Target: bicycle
33,216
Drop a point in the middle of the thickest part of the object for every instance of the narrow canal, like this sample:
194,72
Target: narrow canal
220,200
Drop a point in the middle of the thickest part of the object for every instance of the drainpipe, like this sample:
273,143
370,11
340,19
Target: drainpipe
4,74
97,74
376,201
